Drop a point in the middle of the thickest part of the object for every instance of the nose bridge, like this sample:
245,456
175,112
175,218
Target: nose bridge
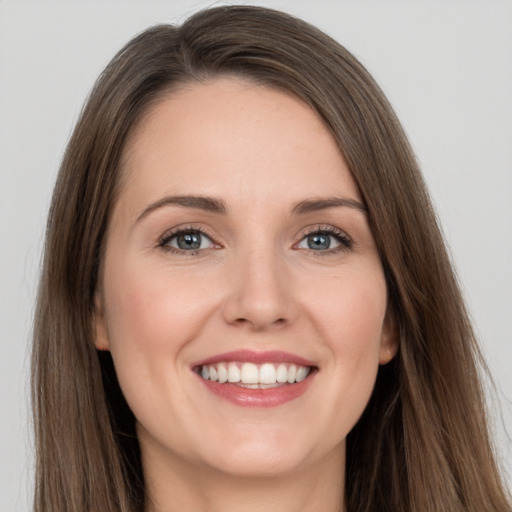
258,295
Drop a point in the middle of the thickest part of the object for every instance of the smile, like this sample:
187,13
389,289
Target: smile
256,379
254,376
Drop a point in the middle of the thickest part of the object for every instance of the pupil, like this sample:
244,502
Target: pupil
318,242
189,241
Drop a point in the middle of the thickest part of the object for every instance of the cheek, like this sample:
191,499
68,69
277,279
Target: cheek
152,315
358,331
351,309
351,317
152,309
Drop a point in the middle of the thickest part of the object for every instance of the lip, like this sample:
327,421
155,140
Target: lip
269,356
271,397
245,397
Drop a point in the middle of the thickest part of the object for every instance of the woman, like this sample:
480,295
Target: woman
246,301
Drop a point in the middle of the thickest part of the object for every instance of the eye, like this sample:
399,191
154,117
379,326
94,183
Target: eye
325,240
187,240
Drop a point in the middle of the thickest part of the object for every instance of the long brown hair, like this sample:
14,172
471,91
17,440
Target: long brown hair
422,443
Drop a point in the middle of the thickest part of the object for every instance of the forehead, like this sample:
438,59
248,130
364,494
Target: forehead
230,135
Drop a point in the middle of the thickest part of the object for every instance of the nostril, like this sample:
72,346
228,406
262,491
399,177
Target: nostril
259,324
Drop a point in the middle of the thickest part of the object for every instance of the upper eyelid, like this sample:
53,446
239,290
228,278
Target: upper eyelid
184,228
344,239
187,227
323,228
304,232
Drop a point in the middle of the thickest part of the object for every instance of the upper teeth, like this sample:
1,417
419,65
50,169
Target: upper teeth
250,373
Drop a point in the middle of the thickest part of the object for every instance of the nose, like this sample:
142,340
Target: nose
260,293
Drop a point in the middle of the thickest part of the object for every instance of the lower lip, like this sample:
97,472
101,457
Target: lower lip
270,397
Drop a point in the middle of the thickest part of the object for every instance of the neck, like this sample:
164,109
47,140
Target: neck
319,486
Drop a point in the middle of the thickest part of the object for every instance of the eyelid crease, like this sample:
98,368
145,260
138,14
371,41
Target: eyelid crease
173,232
327,228
345,241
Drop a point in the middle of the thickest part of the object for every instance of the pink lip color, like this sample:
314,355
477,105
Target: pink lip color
247,397
270,356
258,397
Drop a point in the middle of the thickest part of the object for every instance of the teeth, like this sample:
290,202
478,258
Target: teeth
249,386
282,373
253,376
249,373
267,374
292,372
222,372
302,373
233,373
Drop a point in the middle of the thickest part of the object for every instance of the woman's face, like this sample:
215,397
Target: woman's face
242,296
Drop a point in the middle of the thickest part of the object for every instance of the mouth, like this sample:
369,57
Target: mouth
254,376
249,378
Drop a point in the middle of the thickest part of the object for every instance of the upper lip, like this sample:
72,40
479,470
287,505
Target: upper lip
250,356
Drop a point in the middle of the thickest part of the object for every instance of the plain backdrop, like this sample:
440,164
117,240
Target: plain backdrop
445,65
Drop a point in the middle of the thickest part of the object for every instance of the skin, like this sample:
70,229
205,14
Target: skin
255,284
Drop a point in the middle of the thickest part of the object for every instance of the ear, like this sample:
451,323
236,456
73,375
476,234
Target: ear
99,327
389,339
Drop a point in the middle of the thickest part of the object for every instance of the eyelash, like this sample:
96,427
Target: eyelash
346,243
168,236
344,240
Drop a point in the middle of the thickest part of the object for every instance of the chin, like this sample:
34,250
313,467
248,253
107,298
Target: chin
265,454
257,462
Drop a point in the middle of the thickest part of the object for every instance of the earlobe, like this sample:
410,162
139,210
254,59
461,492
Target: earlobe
99,328
389,339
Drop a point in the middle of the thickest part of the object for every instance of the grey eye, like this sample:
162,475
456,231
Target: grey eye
319,242
189,241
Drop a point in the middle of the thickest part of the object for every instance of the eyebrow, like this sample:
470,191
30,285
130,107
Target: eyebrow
212,205
207,204
314,205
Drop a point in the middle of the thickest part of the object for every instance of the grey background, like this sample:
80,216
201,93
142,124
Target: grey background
446,67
